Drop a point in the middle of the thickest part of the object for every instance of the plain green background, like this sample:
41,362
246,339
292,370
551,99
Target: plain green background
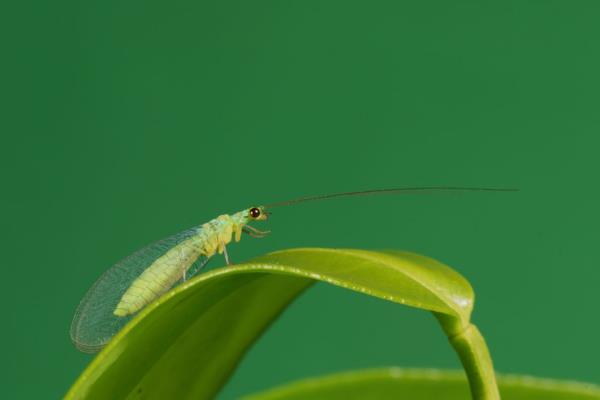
126,121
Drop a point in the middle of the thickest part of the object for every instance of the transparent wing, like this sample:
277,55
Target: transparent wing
94,323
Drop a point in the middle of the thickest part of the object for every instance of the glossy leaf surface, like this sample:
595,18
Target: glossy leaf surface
396,383
186,344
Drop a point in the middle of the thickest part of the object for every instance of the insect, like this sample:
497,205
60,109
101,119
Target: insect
139,279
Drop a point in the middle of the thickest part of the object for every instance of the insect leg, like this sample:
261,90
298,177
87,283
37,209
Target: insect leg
183,274
255,232
226,255
249,232
199,267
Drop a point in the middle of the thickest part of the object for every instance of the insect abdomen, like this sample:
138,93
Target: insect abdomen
159,276
162,274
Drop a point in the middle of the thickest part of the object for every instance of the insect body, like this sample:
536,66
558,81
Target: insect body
147,274
165,271
144,276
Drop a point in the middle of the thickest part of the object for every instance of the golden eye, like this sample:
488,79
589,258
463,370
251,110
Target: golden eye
255,212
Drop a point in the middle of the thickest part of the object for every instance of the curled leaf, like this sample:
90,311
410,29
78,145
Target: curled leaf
187,343
422,384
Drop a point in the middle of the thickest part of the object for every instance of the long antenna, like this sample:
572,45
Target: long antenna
403,190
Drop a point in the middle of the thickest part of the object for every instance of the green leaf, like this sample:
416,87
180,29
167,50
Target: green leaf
187,343
396,383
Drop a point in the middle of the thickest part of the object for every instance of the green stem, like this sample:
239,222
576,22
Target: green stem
468,342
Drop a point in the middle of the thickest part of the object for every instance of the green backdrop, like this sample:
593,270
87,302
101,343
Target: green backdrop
128,121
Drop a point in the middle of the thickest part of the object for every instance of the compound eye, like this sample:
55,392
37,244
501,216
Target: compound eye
255,212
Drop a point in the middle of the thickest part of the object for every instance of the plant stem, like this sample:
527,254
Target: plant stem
468,342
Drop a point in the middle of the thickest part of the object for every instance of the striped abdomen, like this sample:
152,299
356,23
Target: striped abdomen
166,270
159,276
